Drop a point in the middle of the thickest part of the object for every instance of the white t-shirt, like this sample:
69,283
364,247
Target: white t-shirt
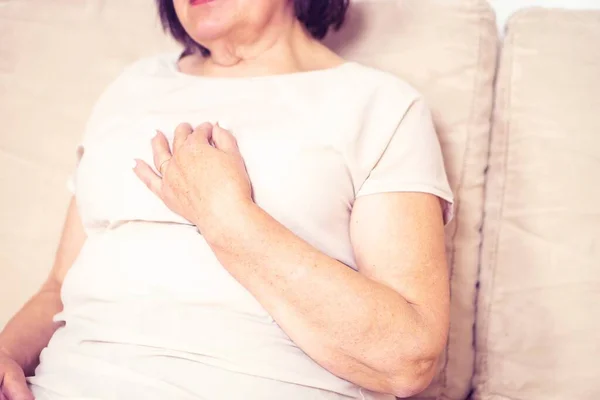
149,312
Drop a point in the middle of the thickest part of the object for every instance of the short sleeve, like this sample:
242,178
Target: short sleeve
412,161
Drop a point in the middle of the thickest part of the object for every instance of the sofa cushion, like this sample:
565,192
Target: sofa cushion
447,50
537,329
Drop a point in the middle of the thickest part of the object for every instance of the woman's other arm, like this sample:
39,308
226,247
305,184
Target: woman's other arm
30,330
382,328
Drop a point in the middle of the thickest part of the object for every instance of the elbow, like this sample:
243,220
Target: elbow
416,369
414,378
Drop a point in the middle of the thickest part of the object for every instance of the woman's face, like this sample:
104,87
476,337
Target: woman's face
209,20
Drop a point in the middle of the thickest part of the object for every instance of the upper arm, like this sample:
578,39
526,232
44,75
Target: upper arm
72,238
398,217
398,240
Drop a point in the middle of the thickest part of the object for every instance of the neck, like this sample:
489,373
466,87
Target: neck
283,46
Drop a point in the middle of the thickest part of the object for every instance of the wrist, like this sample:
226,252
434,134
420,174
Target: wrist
5,352
226,221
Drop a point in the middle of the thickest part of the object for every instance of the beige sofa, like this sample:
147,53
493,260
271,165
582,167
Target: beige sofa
520,126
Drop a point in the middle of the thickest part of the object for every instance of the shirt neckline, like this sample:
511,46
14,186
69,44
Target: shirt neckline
173,60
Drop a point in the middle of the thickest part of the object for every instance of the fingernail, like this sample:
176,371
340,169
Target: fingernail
133,163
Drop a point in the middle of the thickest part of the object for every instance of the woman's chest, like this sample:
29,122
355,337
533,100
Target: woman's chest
297,165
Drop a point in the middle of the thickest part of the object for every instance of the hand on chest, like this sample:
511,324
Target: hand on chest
298,171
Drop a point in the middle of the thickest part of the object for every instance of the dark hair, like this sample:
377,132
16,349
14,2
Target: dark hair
318,16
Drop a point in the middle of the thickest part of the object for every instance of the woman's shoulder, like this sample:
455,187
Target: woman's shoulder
376,78
138,74
132,84
379,85
160,63
378,91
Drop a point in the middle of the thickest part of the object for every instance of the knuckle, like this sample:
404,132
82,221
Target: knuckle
203,127
183,127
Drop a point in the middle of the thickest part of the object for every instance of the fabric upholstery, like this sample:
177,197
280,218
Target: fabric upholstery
537,325
447,50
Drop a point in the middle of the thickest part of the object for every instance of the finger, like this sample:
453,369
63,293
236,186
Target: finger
15,388
149,177
224,140
204,132
160,149
181,133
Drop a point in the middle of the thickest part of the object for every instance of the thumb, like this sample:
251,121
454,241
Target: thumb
15,387
224,140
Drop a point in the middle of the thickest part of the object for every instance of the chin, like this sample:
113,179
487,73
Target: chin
204,21
204,33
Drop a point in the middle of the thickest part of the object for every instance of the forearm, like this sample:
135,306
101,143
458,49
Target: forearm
30,330
355,327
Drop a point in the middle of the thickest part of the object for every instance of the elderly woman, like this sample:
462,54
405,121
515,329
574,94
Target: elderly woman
253,218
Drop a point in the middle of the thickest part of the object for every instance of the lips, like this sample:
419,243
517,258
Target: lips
199,2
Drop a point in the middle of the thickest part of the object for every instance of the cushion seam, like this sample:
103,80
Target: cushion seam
468,148
493,260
